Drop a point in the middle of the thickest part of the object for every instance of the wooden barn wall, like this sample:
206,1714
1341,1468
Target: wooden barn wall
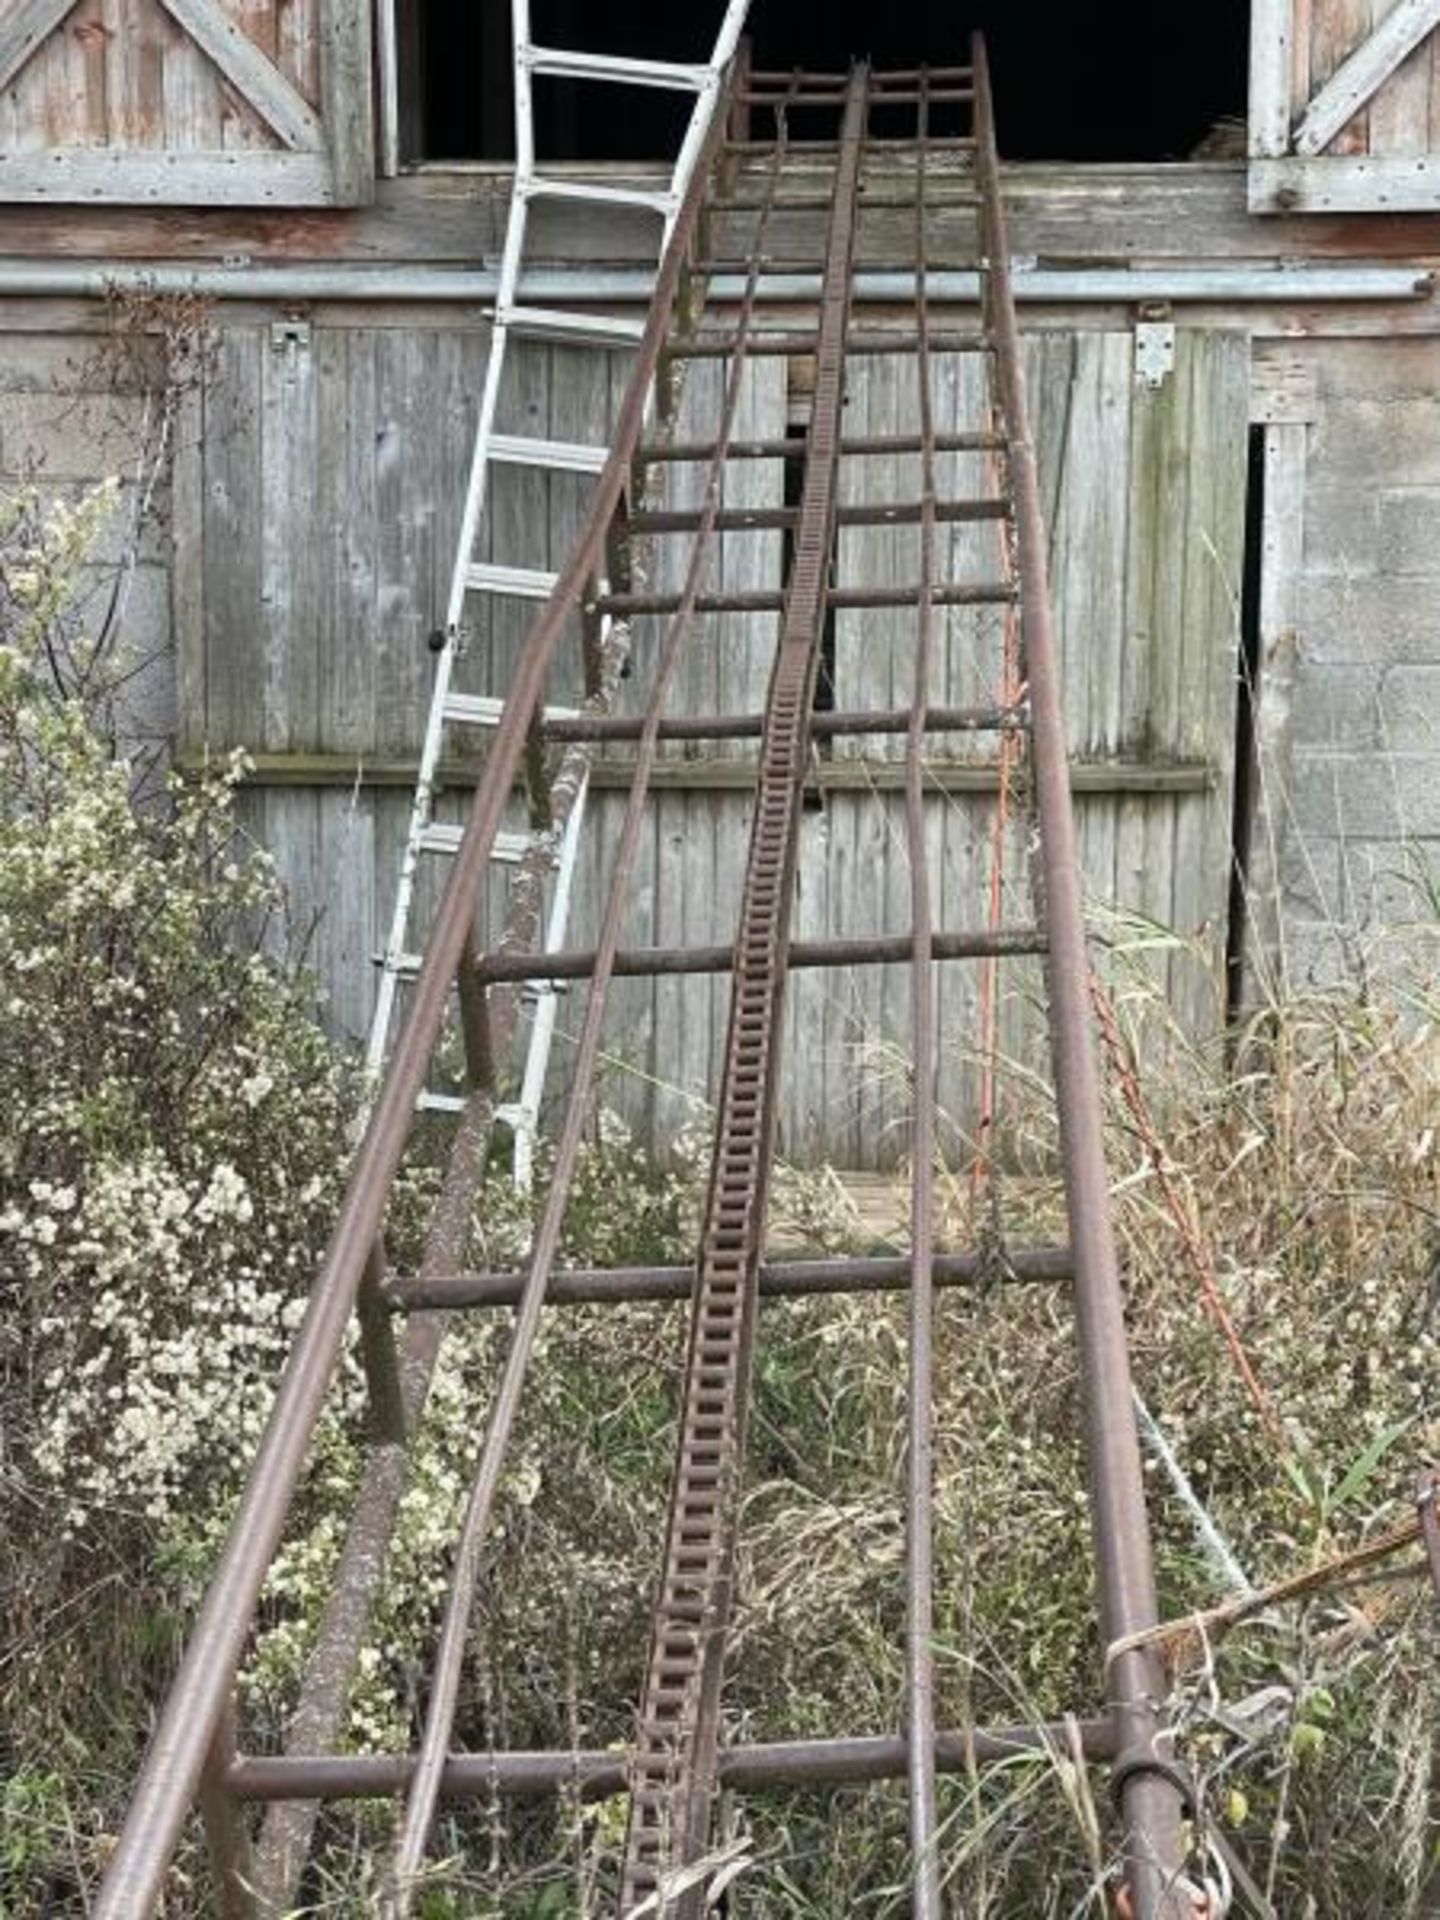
332,472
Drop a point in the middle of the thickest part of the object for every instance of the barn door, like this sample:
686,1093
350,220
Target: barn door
186,102
1344,106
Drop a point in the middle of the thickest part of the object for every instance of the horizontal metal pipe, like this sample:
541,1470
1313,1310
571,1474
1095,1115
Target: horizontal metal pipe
285,284
779,1279
599,1775
649,962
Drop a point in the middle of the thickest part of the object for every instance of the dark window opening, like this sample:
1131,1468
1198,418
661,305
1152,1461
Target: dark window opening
1247,773
1128,83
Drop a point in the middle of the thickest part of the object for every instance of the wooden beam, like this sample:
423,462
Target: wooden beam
346,95
725,776
1271,30
1365,72
30,22
258,81
1352,183
239,177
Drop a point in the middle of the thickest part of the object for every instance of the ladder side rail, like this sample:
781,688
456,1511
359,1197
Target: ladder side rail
185,1729
382,1018
1151,1801
524,1115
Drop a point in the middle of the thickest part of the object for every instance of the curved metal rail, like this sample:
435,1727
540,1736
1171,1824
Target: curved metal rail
680,1759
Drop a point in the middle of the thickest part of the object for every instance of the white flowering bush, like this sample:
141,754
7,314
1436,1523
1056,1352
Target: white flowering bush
174,1140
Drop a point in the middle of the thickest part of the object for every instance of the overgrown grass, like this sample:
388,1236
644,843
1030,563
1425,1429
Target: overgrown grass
1296,1168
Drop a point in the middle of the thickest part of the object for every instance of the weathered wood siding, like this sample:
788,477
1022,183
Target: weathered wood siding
239,102
332,478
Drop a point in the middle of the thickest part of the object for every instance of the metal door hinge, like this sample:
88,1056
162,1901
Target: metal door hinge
1154,352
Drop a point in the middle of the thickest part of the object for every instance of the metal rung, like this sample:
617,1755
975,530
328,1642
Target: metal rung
507,1116
520,583
443,837
564,456
584,329
486,710
651,199
566,63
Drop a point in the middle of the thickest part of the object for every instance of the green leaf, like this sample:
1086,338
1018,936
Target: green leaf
1363,1468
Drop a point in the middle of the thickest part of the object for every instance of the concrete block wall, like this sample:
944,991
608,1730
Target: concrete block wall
1359,817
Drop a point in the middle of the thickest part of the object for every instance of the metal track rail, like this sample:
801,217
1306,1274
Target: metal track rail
679,1722
680,1759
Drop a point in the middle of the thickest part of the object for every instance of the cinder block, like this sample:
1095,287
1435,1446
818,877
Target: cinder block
1342,533
58,437
1366,796
1375,621
1309,874
1410,532
1410,709
1335,706
1391,884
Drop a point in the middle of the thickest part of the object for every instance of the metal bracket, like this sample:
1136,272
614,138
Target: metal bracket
1154,352
291,335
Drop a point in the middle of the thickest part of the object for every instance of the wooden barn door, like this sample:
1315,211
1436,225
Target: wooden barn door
1345,106
186,102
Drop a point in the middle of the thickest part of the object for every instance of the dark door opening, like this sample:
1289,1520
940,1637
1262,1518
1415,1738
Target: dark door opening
1245,792
1128,82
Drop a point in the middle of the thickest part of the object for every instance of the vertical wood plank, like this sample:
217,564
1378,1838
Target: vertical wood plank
233,678
1281,568
187,571
1271,72
345,95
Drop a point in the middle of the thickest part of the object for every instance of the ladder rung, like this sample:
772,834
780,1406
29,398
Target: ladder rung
652,199
565,456
486,710
584,329
443,837
441,1102
428,1102
520,583
569,64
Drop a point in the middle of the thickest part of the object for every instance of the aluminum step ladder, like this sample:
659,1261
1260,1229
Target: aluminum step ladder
514,317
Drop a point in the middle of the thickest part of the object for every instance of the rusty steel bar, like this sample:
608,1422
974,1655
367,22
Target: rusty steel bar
804,343
423,1795
804,1765
1150,1798
318,1719
170,1774
674,1772
862,446
899,513
824,726
844,599
779,1280
647,962
920,1423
